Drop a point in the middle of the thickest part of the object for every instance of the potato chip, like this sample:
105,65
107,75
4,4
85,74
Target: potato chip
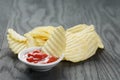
55,45
39,35
81,45
42,35
14,35
41,32
16,46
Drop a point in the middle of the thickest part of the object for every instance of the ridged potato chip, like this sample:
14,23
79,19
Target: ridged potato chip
82,45
39,35
36,37
41,32
14,35
16,46
55,45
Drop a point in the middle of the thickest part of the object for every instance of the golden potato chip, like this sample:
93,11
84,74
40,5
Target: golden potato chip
42,35
16,46
55,45
39,35
41,32
13,34
81,45
32,42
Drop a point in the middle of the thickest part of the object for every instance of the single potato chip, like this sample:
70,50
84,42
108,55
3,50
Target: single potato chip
41,32
82,45
39,35
42,35
14,35
55,45
16,46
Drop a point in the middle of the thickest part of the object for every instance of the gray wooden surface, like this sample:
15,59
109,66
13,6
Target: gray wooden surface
24,15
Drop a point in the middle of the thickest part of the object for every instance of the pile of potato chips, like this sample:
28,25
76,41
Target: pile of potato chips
36,37
77,43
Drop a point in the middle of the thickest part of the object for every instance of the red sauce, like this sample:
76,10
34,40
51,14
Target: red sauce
37,56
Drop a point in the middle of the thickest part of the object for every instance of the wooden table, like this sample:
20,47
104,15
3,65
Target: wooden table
24,15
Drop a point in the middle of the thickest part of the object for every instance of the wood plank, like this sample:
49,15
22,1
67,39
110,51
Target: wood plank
27,14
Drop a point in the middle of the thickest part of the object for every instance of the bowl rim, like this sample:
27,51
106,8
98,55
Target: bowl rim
24,51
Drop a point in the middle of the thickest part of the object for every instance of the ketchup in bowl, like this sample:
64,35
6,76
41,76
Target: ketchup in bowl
37,56
37,60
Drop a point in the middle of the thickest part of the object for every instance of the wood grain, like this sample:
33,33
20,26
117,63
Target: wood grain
4,16
27,14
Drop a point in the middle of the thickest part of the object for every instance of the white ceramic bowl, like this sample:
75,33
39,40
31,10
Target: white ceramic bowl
38,67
